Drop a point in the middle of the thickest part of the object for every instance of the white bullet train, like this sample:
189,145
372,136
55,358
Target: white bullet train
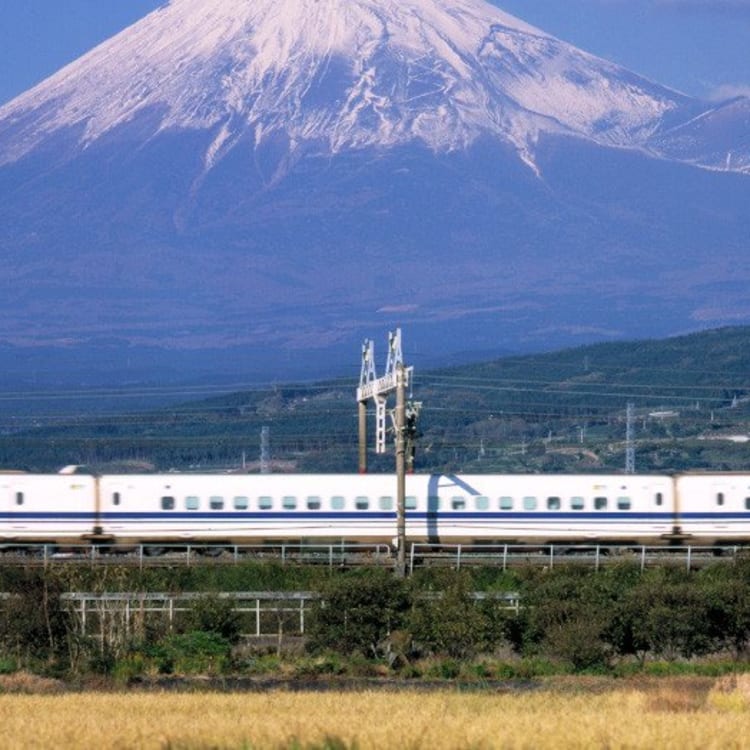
242,508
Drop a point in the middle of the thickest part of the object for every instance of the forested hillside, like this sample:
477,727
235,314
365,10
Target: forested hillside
561,411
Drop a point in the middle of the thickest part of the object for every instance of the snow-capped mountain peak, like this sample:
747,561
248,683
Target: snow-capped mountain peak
331,75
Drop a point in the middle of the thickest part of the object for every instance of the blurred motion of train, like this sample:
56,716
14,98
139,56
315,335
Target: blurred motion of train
243,508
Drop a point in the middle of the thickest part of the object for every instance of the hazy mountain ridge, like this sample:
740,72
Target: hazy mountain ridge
561,411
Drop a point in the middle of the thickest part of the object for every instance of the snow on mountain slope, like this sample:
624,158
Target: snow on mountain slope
331,75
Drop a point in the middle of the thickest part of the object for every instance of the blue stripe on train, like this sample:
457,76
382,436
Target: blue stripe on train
507,516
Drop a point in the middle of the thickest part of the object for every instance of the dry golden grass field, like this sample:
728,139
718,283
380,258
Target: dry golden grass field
676,713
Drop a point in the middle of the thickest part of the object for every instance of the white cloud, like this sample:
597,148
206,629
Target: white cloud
729,91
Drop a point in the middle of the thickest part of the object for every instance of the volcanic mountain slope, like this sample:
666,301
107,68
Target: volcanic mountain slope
339,75
289,173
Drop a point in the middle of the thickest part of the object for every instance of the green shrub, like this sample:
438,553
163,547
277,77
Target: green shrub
213,614
358,612
449,621
443,669
196,652
328,664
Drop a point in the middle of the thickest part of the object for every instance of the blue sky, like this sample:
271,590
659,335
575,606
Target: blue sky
701,47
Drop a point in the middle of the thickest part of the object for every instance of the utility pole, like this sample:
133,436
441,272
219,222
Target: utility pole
401,469
265,451
396,379
629,442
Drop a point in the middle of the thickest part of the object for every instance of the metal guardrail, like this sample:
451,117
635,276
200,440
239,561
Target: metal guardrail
333,555
549,555
348,554
268,612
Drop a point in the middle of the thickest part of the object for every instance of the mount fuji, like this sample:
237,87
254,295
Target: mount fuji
260,183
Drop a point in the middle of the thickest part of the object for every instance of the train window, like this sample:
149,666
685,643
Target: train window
458,503
623,503
192,502
506,503
385,502
337,502
659,498
747,503
115,498
313,502
265,502
361,502
600,503
577,503
529,503
410,502
241,502
289,502
482,502
433,502
216,502
19,498
553,503
720,498
167,502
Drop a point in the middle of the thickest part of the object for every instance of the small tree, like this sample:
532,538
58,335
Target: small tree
358,612
34,626
448,621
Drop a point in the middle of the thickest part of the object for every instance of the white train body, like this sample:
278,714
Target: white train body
701,508
438,507
48,506
714,505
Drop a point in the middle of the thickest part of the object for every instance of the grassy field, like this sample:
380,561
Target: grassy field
676,713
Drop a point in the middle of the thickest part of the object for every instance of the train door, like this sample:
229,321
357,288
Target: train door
111,499
718,503
14,499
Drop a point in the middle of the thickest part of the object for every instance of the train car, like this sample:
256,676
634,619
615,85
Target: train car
215,508
713,507
247,508
243,508
46,508
539,508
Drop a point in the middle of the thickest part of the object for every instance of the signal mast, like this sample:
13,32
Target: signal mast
396,379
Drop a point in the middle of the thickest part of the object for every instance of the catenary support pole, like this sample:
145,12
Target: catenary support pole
363,437
401,469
